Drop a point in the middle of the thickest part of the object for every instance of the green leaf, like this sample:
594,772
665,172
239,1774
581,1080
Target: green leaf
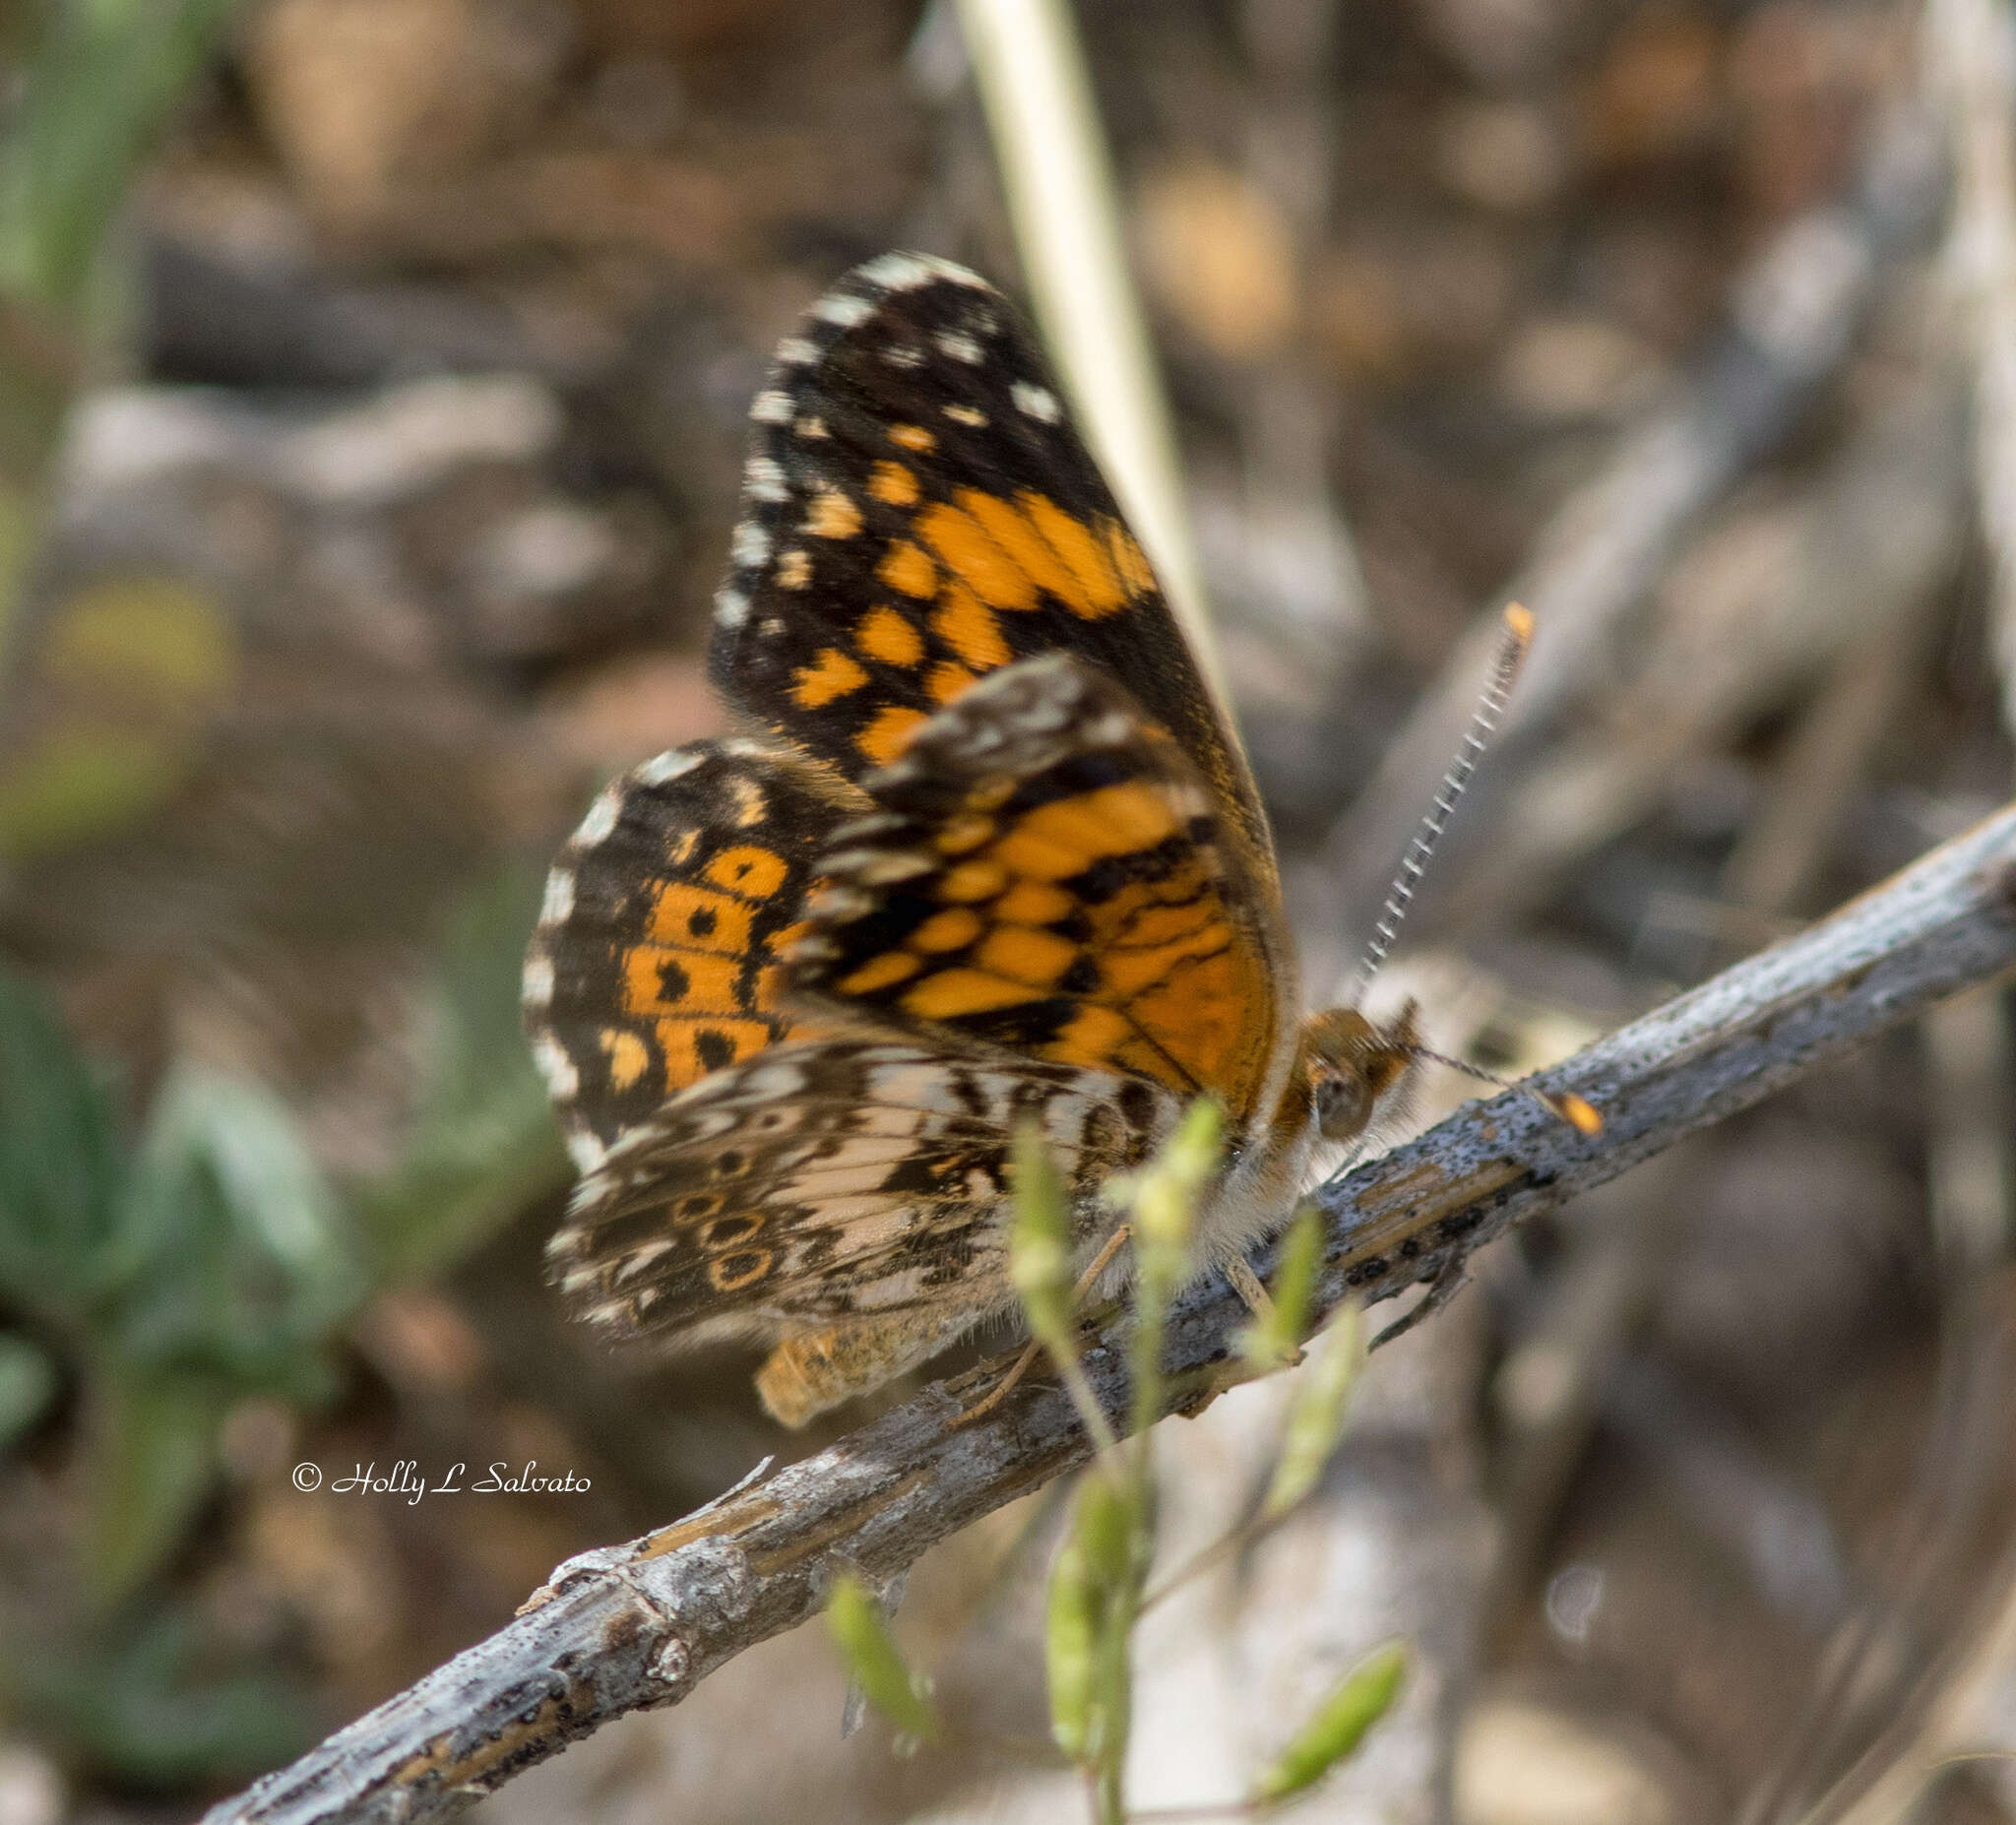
248,1263
1168,1192
100,84
1039,1243
873,1661
1273,1340
1071,1629
483,1141
1316,1414
153,1455
61,1168
1092,1599
1361,1699
28,1384
135,667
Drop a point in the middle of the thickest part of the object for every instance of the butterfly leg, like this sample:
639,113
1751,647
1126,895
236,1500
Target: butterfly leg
1256,1300
1027,1360
1441,1290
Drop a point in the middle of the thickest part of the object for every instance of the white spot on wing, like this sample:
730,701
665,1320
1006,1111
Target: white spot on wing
774,1080
586,1151
730,608
641,1257
601,819
668,766
750,544
843,309
913,1086
536,987
558,904
903,354
770,408
796,352
959,346
1037,402
763,480
898,272
563,1080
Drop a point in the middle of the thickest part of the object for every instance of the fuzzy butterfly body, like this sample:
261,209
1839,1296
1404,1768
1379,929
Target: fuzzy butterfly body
992,857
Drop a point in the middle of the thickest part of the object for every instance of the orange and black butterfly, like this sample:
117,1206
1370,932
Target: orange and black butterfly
990,855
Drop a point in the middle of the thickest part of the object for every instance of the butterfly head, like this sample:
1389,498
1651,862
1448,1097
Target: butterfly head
1356,1070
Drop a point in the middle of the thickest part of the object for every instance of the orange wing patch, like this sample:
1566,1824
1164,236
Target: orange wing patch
1048,878
659,955
832,675
1010,553
947,523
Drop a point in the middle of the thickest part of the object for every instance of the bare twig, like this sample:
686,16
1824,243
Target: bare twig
1970,72
642,1624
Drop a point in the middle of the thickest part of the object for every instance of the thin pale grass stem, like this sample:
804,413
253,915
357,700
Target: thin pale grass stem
1029,67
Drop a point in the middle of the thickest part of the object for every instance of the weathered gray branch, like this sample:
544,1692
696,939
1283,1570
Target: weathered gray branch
642,1624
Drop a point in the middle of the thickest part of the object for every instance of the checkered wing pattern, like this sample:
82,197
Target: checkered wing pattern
1046,875
657,954
994,857
842,1196
919,510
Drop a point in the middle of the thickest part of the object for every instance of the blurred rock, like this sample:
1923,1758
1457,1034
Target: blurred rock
1574,367
1523,1764
1220,256
31,1789
1656,93
420,514
1394,301
1504,155
362,95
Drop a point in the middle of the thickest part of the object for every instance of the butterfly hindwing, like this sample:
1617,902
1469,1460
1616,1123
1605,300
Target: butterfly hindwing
830,1181
656,955
1046,876
919,511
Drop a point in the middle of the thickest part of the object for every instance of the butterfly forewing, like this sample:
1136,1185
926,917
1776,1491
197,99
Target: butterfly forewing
919,510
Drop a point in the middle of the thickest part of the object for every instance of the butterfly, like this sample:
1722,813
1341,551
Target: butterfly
988,855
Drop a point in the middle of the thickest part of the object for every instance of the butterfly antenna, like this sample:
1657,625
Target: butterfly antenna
1571,1109
1514,643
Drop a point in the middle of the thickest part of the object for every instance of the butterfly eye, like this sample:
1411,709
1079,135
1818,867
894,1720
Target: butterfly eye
1344,1105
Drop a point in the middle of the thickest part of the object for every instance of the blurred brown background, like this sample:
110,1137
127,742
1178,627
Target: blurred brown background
375,373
